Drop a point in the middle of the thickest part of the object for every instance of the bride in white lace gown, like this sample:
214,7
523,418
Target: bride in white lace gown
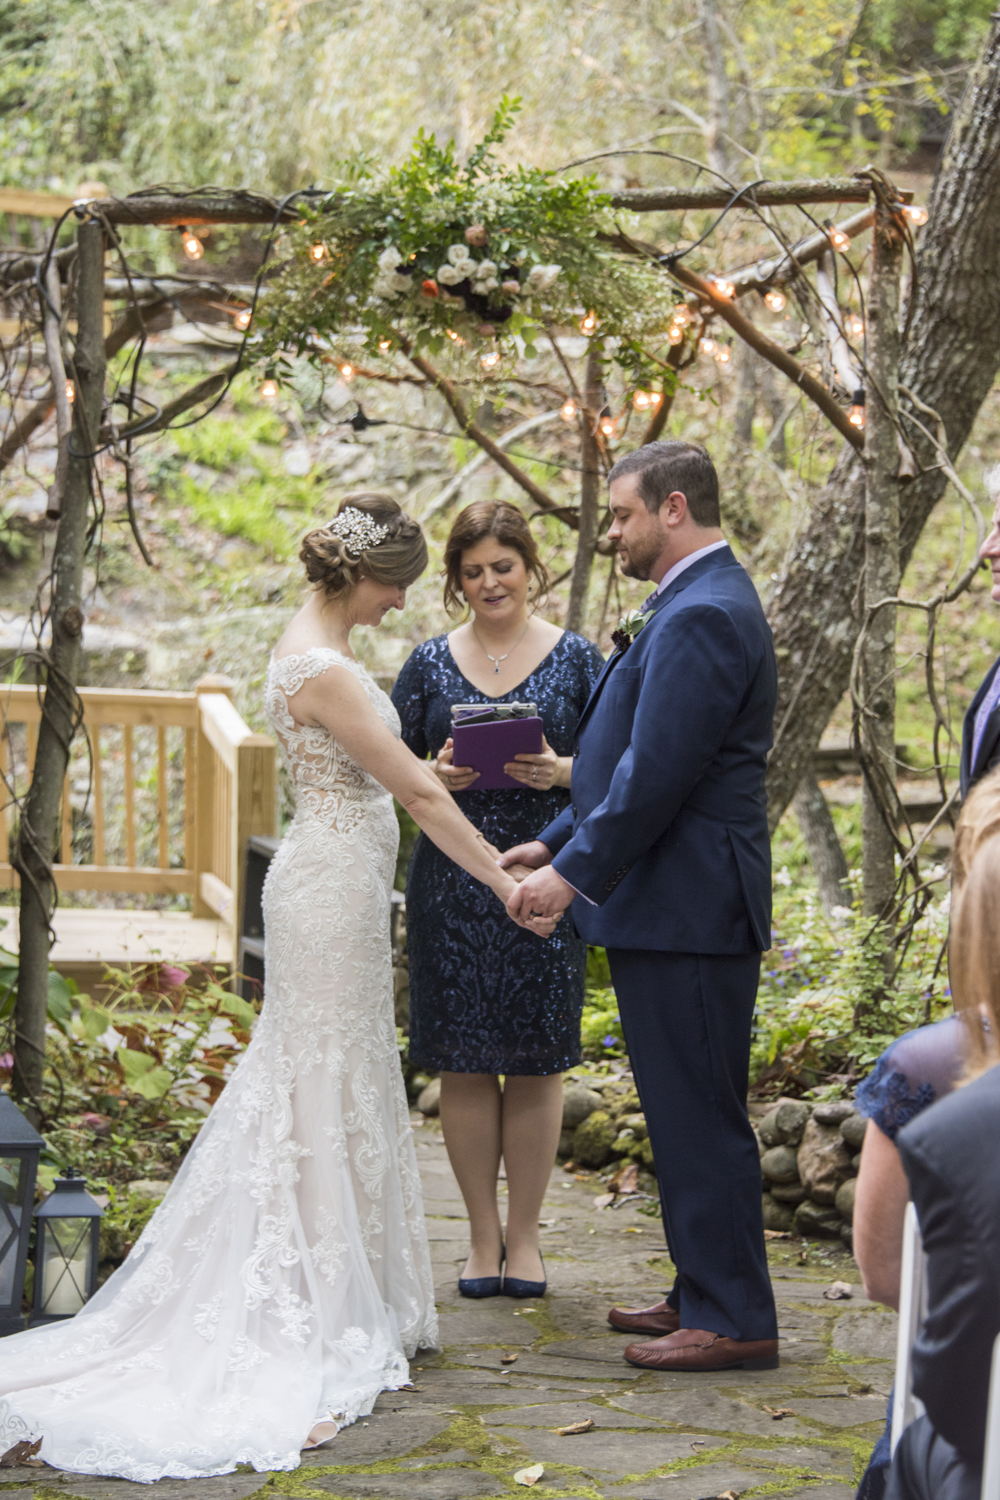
285,1278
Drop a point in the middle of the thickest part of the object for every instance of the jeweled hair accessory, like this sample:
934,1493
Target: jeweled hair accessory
358,532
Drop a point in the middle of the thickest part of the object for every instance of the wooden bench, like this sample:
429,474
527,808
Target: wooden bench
162,793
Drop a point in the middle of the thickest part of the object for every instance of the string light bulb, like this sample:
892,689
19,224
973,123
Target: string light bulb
856,411
723,353
193,247
347,372
838,239
707,346
916,213
568,411
317,252
588,324
641,400
456,338
489,360
269,389
723,287
855,325
681,314
774,299
608,427
385,343
70,392
241,321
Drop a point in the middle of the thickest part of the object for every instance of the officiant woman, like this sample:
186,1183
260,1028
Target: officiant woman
487,999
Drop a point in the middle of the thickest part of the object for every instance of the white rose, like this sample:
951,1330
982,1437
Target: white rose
399,282
389,259
383,287
467,267
458,253
486,268
482,287
447,275
540,278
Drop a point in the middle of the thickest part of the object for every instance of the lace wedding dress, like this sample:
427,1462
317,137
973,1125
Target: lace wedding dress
285,1277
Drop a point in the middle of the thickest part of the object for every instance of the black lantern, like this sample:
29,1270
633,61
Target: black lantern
20,1146
66,1250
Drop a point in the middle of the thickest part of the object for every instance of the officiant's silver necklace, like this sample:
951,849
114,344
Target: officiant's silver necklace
496,660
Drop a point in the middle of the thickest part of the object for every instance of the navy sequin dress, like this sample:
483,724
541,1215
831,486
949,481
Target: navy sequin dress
487,996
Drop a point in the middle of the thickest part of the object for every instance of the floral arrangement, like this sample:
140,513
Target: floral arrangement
453,257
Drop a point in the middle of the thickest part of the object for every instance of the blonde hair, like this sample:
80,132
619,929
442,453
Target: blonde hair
398,559
974,956
979,820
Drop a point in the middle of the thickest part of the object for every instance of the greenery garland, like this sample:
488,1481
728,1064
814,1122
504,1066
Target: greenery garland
459,259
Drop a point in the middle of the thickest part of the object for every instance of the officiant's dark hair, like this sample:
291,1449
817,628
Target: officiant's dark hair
674,465
508,525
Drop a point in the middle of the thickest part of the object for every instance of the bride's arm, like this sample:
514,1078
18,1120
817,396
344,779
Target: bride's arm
337,700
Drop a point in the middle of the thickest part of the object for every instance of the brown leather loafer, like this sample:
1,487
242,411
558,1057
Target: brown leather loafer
695,1349
661,1318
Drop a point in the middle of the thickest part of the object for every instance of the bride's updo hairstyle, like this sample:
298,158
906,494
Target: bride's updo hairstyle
477,522
370,536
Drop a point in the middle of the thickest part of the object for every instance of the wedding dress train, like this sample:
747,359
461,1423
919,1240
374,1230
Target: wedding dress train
285,1277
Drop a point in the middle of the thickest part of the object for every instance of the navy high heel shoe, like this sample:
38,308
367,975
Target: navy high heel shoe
513,1286
482,1286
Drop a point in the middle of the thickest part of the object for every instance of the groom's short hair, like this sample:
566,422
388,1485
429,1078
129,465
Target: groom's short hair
674,465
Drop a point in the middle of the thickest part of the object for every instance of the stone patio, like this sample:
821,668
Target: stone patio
471,1423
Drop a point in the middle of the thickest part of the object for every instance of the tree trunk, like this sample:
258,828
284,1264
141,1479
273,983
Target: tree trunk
876,718
590,494
40,817
717,89
825,854
949,360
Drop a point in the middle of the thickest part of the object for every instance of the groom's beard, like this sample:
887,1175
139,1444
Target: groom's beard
640,557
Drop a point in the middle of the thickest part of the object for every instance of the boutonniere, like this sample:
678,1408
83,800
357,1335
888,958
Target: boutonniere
628,628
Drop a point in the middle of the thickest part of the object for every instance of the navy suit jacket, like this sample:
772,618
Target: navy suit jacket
989,746
951,1159
667,832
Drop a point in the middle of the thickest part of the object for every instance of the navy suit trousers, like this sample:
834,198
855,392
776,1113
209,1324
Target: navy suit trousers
687,1020
927,1468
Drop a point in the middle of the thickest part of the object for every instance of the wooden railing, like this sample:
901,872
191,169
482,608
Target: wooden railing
162,793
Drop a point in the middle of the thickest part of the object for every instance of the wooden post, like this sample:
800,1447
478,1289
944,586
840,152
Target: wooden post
202,794
881,570
37,842
255,810
590,493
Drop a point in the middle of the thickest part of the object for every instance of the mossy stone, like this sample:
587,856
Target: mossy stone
780,1164
776,1215
594,1139
816,1221
853,1130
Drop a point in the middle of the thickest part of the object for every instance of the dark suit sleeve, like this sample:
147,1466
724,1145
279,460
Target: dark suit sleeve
559,831
695,678
953,1351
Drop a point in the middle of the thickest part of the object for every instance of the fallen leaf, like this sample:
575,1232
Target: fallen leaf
507,1359
575,1427
35,1463
529,1476
839,1291
777,1412
411,1387
19,1453
604,1200
777,1234
627,1179
728,1495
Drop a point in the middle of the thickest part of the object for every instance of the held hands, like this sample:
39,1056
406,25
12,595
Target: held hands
536,771
455,778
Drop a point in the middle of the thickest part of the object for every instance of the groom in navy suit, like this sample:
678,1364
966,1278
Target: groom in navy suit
665,857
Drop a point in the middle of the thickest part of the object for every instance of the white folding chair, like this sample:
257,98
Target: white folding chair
991,1457
906,1407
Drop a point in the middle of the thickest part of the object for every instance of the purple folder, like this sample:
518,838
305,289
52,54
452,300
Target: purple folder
487,748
